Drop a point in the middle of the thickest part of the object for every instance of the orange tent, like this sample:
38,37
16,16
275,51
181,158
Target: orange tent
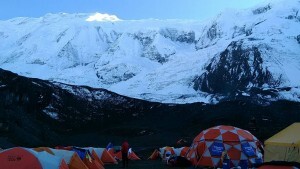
87,158
71,158
154,155
96,157
111,152
131,155
105,156
118,155
92,163
23,158
94,154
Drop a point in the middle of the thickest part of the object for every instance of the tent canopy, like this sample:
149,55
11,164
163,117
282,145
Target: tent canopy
286,137
49,161
154,155
131,155
94,154
210,144
284,146
22,158
40,149
105,156
19,158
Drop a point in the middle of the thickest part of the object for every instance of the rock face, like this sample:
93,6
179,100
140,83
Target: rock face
35,113
168,61
235,69
180,36
261,10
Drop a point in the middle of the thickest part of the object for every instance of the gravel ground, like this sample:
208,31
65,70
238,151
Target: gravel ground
144,164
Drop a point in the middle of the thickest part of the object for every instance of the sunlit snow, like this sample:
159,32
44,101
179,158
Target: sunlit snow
103,18
154,60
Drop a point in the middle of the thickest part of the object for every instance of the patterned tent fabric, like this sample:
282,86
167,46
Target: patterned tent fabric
174,151
181,151
208,146
164,150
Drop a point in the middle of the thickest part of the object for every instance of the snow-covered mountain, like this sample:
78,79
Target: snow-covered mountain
254,52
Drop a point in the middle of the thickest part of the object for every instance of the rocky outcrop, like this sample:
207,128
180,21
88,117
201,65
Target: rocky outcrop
294,15
35,112
111,74
235,69
210,36
179,36
261,10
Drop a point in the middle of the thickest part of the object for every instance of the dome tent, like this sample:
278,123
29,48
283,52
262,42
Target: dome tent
174,151
208,146
164,150
23,158
181,151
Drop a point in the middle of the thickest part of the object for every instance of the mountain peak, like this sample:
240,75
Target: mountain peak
165,61
99,17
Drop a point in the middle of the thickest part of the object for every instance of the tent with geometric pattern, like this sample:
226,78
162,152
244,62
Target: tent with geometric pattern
164,150
174,151
181,151
208,146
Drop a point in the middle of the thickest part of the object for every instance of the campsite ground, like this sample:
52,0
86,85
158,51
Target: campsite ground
144,164
144,153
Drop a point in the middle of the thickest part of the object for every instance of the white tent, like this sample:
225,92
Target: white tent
47,160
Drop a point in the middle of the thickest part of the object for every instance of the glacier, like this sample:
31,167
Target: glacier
168,61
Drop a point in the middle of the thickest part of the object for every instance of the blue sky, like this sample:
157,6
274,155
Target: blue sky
124,9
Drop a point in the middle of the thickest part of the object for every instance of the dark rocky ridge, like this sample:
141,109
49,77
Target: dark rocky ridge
262,10
93,117
236,69
180,36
